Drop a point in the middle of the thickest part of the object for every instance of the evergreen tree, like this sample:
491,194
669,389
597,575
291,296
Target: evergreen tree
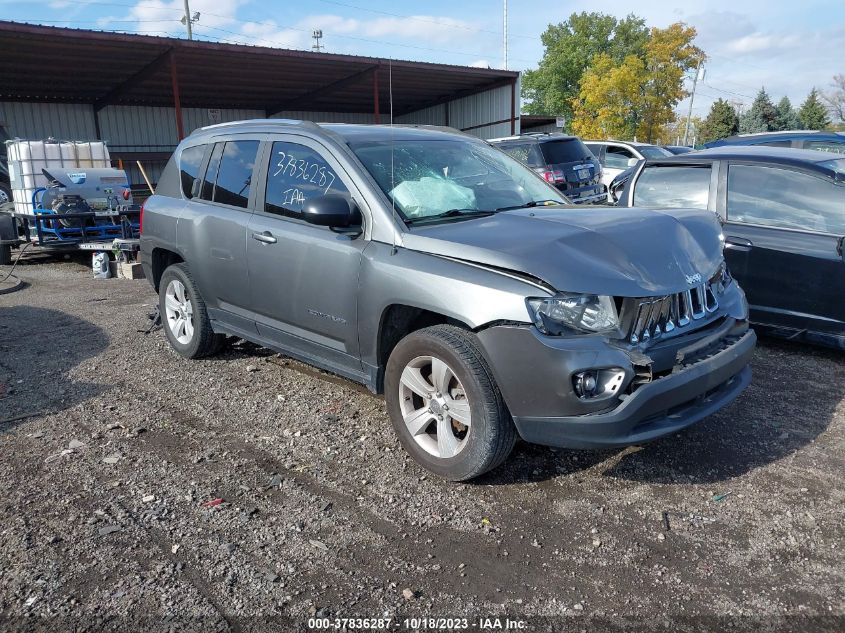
813,114
787,117
760,117
721,122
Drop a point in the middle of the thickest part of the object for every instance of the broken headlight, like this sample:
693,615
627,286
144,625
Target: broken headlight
564,313
721,279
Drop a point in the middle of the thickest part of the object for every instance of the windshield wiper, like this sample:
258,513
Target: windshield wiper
528,205
451,213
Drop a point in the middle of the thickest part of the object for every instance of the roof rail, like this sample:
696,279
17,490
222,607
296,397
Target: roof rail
248,122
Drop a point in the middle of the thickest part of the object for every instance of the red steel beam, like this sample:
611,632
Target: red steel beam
375,98
177,102
513,107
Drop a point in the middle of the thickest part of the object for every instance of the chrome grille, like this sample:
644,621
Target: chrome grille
656,316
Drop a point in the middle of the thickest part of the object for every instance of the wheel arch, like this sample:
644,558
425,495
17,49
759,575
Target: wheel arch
160,259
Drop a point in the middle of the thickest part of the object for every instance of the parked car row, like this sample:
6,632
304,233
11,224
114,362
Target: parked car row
783,212
797,139
454,279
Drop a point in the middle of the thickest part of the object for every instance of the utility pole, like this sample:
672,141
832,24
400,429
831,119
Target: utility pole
698,71
187,20
505,34
738,106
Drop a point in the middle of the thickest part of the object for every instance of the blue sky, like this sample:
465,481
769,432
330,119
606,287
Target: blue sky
787,46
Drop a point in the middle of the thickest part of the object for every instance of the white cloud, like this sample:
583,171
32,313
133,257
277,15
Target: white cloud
420,27
481,63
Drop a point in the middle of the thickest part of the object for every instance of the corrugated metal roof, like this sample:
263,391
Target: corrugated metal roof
54,64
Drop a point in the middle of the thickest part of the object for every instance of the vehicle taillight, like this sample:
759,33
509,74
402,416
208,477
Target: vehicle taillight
553,175
126,194
141,218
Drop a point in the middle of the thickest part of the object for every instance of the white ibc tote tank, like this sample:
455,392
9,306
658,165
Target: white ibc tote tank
27,159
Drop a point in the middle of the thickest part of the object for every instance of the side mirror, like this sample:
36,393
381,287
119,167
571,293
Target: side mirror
632,161
331,210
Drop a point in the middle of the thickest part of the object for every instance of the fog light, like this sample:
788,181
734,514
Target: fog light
586,383
598,383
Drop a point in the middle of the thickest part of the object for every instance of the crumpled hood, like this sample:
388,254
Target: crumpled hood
604,250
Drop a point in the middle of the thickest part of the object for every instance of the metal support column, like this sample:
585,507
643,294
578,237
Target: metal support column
376,113
177,102
513,107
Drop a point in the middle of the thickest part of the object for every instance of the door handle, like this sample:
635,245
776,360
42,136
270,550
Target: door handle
266,237
738,243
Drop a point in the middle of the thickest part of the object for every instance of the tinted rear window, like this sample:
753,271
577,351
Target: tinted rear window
527,153
189,167
565,151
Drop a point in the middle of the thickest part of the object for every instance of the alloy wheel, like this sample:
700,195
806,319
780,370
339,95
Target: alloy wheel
434,406
179,312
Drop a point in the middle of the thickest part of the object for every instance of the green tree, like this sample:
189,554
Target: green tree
812,113
786,118
569,51
636,98
721,122
610,99
669,55
760,116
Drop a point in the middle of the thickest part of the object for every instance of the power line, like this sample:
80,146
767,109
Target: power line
271,42
349,37
729,92
420,18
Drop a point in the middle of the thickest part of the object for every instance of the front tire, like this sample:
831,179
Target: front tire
184,316
444,404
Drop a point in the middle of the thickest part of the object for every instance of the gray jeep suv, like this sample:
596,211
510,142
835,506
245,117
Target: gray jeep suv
437,269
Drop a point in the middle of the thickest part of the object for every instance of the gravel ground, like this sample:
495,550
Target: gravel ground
114,454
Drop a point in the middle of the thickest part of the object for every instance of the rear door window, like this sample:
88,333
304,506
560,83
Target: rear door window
565,151
595,150
189,168
207,191
296,174
234,177
617,157
773,196
682,186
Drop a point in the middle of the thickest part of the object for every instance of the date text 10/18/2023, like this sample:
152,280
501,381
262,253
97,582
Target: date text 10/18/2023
418,624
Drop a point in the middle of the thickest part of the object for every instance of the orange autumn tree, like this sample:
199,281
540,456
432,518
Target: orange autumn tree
636,98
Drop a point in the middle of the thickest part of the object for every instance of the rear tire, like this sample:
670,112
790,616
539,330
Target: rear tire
5,254
444,404
184,316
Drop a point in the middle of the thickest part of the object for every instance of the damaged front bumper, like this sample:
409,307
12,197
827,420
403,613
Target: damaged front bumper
535,374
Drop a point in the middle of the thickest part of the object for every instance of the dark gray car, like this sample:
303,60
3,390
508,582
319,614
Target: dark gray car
436,269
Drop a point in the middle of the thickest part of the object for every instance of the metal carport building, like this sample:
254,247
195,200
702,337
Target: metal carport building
143,93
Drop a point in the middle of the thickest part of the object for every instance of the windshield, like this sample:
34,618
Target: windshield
450,178
652,151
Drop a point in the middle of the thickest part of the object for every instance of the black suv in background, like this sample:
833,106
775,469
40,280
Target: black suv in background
562,160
